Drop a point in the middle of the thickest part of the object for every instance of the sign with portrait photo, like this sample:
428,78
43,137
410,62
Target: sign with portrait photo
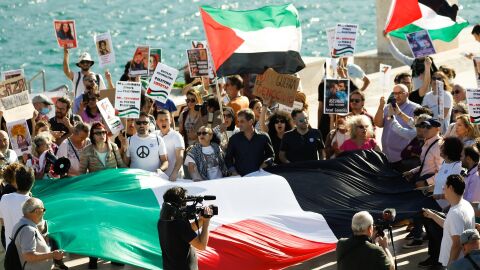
66,33
139,62
8,74
197,62
204,45
420,43
336,96
154,58
104,46
19,136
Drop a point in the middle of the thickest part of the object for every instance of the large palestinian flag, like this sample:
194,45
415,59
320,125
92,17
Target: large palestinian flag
268,221
243,42
437,16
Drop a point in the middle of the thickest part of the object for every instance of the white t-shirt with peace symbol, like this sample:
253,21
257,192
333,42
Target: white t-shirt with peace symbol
144,153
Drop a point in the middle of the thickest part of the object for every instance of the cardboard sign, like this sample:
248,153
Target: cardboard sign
12,73
108,113
201,45
476,65
103,43
345,39
330,40
66,33
286,109
473,104
280,87
17,107
440,100
19,136
336,96
420,43
12,86
139,63
197,62
162,82
127,99
155,57
108,93
385,76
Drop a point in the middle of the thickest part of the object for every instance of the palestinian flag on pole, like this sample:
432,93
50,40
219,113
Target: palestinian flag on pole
437,16
266,221
250,41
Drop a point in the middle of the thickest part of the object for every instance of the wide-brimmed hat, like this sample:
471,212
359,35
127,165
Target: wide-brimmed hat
85,57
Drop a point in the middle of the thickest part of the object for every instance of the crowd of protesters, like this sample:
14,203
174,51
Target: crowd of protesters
207,138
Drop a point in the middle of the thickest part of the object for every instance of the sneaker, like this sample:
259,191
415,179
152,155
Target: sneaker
413,244
409,236
429,263
92,264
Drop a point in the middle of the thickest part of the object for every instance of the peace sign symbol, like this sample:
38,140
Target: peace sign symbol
143,151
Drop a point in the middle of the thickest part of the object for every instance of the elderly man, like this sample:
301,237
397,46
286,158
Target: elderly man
7,156
392,143
359,252
33,251
470,240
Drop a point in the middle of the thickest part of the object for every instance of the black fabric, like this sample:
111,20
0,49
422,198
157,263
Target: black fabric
357,252
175,237
414,96
356,181
298,147
276,146
442,7
256,63
12,259
434,235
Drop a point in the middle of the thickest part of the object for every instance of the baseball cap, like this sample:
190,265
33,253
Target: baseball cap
429,123
42,99
469,235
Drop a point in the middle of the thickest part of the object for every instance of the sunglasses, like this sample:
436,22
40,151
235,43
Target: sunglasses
435,78
355,100
141,123
41,208
191,100
100,132
456,92
84,62
204,133
88,80
303,120
280,121
228,115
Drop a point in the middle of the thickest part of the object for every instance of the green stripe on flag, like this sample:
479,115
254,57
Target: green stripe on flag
446,34
252,20
104,214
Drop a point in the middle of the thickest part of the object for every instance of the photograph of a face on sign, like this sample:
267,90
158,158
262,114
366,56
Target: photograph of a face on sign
336,96
20,136
197,62
139,63
420,44
65,33
154,58
103,43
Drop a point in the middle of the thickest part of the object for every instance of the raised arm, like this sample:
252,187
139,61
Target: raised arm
66,67
378,119
426,77
397,54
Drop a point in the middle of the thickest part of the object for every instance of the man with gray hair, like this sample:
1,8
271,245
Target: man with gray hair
7,156
72,147
470,240
359,251
33,251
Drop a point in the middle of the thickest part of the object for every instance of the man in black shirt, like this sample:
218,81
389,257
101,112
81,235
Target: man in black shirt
61,122
302,143
248,150
177,236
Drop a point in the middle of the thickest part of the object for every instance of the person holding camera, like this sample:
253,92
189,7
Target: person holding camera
360,251
176,233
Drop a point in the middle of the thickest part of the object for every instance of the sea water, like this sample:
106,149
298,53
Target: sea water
27,38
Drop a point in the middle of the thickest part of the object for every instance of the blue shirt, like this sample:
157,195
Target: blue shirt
392,143
464,263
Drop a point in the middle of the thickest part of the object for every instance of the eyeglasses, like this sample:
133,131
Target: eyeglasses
355,100
41,208
141,123
303,120
456,92
204,133
191,100
89,80
398,93
406,82
103,132
280,121
435,78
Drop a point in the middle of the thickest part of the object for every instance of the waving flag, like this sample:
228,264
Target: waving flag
250,41
268,221
437,16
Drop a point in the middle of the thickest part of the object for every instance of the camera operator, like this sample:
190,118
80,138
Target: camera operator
360,251
178,239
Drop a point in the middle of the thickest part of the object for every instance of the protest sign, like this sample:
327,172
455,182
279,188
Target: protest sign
104,45
162,82
127,99
330,40
385,76
280,87
108,113
336,96
154,58
345,40
197,62
108,93
440,100
476,65
12,86
12,73
473,104
420,43
286,109
139,63
331,65
16,107
66,33
202,45
19,136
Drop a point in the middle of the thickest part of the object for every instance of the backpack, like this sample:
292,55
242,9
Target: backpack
12,260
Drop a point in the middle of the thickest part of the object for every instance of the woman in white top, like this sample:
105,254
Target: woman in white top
451,152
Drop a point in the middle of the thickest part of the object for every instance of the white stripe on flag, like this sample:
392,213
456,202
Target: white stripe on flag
270,39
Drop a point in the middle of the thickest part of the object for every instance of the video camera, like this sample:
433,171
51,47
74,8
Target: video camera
385,223
190,208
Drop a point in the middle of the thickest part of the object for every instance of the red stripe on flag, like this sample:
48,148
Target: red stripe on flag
222,40
253,245
404,12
